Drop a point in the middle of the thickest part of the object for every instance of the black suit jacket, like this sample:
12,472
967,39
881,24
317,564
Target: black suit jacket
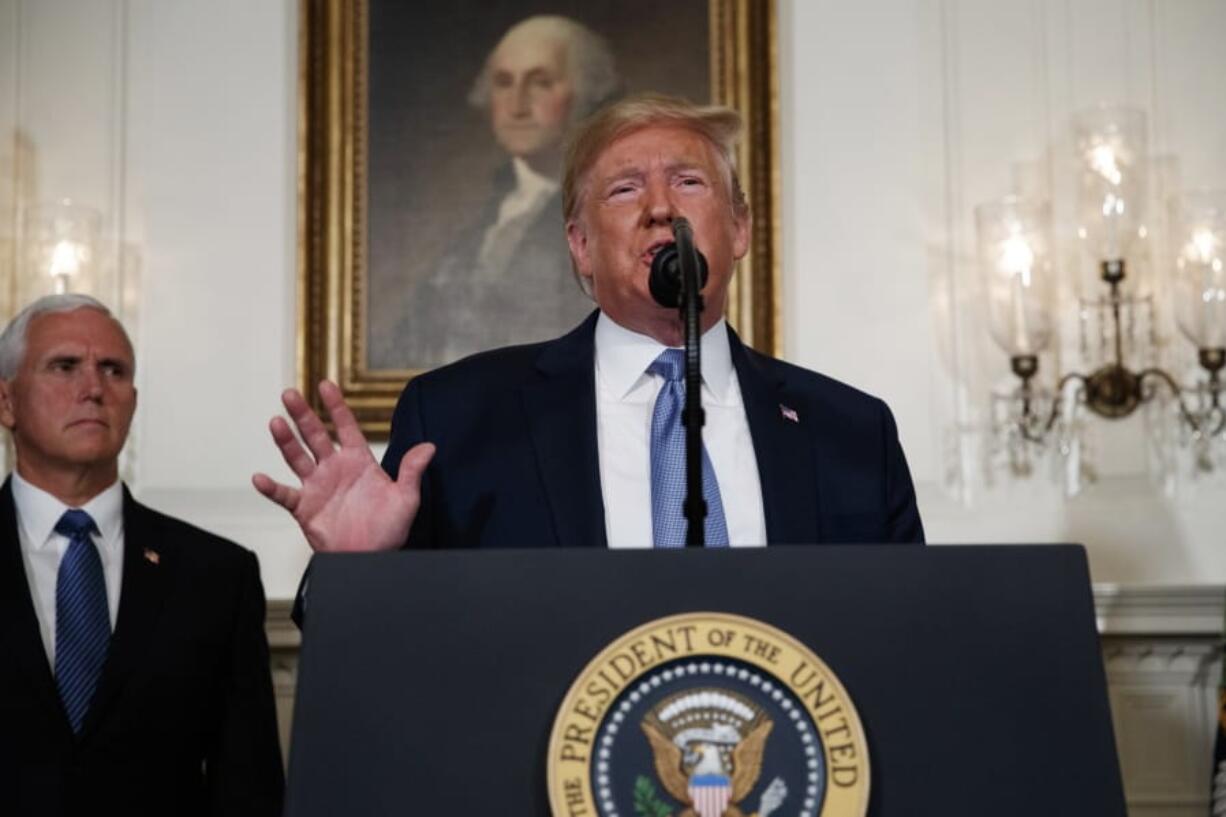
183,719
517,461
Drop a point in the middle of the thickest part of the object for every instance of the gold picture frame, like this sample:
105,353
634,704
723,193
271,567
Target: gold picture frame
333,171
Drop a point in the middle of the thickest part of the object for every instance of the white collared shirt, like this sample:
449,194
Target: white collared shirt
625,399
42,548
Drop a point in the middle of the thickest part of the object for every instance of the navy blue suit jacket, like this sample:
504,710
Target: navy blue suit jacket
517,462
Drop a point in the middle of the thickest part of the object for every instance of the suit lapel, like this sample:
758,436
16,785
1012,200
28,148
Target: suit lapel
560,405
148,565
21,640
783,447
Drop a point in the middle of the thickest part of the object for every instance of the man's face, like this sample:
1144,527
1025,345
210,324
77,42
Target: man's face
531,93
634,190
71,402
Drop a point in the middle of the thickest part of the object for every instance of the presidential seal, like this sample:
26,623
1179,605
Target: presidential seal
707,715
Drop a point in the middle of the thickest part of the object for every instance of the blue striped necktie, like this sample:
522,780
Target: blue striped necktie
82,619
668,523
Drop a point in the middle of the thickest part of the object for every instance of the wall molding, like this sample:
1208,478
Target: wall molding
1176,610
283,633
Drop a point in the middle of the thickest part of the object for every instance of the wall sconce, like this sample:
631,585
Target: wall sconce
1199,220
63,247
1015,258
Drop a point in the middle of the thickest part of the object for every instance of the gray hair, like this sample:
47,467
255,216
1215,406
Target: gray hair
13,338
588,58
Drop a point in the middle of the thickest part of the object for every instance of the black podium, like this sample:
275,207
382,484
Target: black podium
429,681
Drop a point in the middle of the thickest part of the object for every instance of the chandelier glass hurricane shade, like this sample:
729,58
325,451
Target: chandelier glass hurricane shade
1016,258
63,245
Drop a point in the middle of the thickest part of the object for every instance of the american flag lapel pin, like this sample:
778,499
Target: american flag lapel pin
152,556
789,413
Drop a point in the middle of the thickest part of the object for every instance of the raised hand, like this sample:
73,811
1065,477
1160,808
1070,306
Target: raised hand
346,502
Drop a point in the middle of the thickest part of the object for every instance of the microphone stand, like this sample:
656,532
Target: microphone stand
693,417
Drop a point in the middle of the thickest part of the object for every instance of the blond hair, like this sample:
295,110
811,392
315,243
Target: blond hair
719,125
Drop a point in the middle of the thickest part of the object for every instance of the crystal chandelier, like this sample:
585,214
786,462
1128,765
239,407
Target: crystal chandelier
1016,259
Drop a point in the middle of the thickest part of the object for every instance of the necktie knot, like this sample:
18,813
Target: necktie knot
670,365
75,524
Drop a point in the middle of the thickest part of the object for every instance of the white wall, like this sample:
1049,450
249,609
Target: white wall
212,146
177,119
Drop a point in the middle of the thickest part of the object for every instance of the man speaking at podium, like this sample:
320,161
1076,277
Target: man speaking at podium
578,441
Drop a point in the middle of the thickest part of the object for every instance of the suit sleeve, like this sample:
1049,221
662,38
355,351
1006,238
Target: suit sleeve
243,771
903,523
409,429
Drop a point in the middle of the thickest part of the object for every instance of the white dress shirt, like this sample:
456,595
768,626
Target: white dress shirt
625,399
42,548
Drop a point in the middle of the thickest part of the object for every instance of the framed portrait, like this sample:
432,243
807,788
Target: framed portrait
431,141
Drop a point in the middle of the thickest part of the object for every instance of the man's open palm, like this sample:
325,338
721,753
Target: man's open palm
346,501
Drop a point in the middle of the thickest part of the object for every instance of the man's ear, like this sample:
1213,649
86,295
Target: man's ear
742,231
576,237
7,417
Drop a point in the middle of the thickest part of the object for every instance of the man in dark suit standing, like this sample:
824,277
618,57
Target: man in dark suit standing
136,678
578,441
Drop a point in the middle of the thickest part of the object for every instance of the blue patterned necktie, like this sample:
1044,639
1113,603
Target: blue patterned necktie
82,619
668,523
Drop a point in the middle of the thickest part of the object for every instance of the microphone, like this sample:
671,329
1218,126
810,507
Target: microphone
665,279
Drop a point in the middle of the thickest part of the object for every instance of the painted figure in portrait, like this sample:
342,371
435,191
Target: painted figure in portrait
511,260
467,244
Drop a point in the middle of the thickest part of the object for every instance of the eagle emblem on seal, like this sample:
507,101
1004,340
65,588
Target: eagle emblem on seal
707,746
